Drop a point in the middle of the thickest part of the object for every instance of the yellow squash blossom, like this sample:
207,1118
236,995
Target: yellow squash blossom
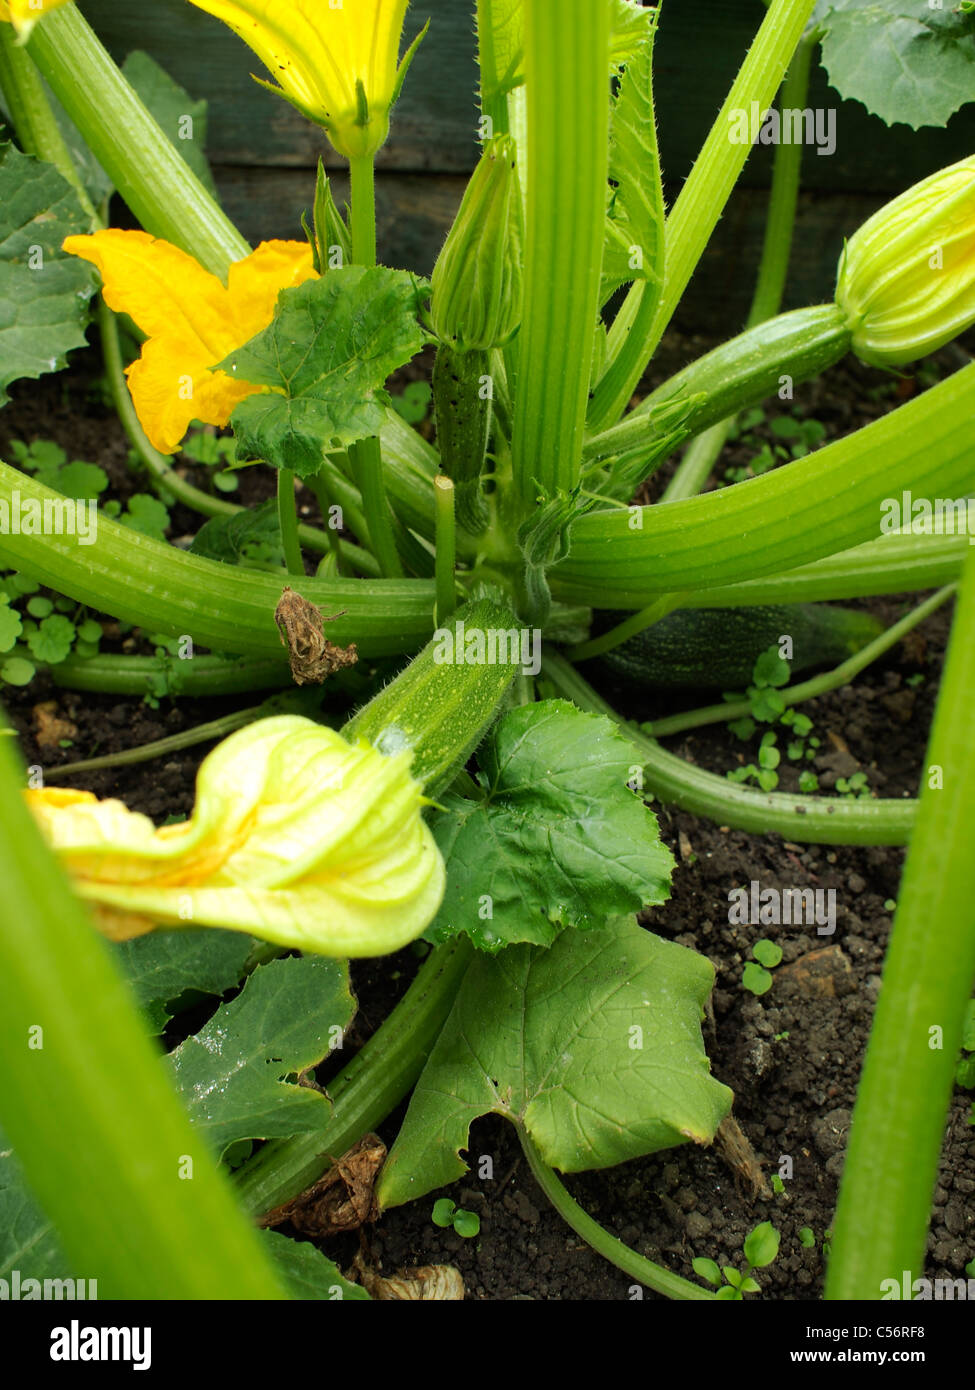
297,836
192,321
336,60
24,14
907,277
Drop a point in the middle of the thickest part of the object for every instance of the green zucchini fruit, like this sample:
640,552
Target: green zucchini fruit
716,648
442,704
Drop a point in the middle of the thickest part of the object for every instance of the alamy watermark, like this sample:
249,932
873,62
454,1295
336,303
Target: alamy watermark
17,1289
50,516
925,516
789,127
756,906
927,1290
492,646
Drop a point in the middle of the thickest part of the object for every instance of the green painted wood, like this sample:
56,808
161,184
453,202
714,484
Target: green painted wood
434,126
435,122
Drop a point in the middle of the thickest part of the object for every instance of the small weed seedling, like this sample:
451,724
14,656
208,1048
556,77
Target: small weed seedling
757,977
760,1249
446,1213
965,1073
793,438
767,706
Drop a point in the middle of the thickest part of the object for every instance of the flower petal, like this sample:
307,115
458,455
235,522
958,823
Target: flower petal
192,320
297,836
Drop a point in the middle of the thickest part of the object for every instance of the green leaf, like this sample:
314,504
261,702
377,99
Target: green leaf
761,1245
756,978
247,536
467,1224
733,1277
28,1241
231,1075
742,728
161,965
770,669
749,1285
707,1269
806,1238
593,1045
555,794
182,120
325,356
147,515
84,481
767,953
10,627
728,1294
634,248
53,639
443,1212
906,62
44,292
308,1273
17,671
968,1030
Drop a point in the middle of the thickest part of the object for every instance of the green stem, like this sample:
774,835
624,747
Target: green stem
288,522
142,1188
702,454
813,507
162,747
806,690
610,1247
566,66
737,374
698,462
143,675
622,632
898,564
148,171
899,1119
367,1088
367,460
813,819
362,209
446,550
34,121
639,328
494,95
223,607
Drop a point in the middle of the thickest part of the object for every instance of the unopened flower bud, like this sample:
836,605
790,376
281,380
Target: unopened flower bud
477,281
907,277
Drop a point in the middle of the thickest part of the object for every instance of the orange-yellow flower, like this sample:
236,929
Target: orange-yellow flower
24,14
297,836
192,320
336,60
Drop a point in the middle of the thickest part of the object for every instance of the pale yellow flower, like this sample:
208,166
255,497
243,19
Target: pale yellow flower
297,836
336,60
907,277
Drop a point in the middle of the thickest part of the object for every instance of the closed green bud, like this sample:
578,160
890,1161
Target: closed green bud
907,277
477,281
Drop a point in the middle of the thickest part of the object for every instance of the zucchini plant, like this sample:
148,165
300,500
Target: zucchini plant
486,797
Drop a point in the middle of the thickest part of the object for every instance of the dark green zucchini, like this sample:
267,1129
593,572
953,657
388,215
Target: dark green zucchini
716,648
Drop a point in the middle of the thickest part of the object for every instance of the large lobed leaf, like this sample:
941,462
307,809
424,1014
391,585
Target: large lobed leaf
331,345
161,966
593,1046
232,1074
558,837
44,293
905,61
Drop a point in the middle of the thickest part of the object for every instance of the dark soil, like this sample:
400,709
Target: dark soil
791,1056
